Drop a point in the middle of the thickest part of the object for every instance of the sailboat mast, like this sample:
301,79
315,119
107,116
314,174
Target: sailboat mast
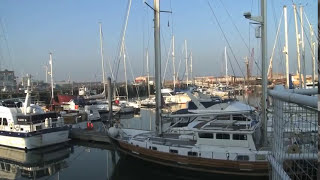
148,73
226,58
173,64
51,75
286,43
102,60
264,67
298,46
302,48
191,72
157,50
122,49
186,51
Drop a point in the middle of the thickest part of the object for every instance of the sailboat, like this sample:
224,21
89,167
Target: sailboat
213,146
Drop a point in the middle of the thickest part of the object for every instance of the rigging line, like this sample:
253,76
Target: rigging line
274,46
131,69
312,27
165,69
235,26
6,42
233,23
225,37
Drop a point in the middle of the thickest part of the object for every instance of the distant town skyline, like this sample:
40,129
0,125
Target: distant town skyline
70,30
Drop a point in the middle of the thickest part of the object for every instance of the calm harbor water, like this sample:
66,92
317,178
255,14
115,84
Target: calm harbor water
82,160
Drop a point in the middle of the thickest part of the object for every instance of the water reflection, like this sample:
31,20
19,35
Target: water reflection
18,164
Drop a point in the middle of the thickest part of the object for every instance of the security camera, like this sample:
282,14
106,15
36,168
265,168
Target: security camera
247,15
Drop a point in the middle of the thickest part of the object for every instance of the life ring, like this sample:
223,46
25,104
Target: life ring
17,128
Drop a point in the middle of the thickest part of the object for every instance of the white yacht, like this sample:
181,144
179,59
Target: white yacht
170,97
27,126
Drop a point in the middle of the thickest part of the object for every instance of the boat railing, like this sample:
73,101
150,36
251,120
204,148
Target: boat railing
295,133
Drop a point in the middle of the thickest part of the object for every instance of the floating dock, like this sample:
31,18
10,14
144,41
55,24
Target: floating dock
89,135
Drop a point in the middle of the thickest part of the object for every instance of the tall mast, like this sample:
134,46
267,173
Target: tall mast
46,67
148,73
302,48
51,75
122,49
157,51
191,73
125,73
226,58
285,50
187,72
173,64
102,60
298,46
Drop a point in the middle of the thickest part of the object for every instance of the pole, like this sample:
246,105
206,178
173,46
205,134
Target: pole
303,49
298,42
264,67
102,60
157,50
285,51
187,73
313,53
226,58
173,65
148,73
110,99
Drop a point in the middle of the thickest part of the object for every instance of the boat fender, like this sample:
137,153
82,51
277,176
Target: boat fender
113,131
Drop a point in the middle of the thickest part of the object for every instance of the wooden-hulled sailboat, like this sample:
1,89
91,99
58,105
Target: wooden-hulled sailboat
212,146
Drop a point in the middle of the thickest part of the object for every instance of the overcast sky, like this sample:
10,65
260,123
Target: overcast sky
70,30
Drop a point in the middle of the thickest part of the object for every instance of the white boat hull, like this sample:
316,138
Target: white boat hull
35,141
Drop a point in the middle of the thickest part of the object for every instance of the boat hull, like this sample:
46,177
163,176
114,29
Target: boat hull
34,140
243,168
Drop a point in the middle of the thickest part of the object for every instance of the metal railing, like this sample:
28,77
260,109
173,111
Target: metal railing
294,131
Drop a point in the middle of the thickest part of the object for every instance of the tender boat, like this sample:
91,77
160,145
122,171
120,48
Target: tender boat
27,126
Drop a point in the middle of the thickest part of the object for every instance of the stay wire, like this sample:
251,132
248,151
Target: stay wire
225,38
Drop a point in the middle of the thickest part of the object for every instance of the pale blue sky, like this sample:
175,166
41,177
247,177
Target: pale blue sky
30,29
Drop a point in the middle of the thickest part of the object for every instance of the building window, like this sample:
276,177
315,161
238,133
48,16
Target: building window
242,158
239,137
190,153
206,135
173,151
222,136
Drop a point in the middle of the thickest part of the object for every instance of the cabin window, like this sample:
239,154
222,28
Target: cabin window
190,153
8,167
239,137
223,117
206,135
242,158
154,148
239,118
38,127
2,166
173,151
4,122
222,136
